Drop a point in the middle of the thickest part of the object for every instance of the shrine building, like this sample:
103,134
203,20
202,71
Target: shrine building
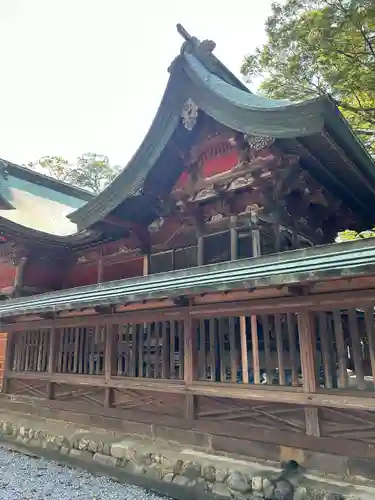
202,292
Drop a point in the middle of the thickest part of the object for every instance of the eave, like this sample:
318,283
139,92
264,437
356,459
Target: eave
192,76
336,261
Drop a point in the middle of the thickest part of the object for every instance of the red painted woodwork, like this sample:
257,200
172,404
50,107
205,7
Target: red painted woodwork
3,346
7,274
122,270
82,274
219,164
42,275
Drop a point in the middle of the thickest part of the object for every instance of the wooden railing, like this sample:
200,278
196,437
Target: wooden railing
305,353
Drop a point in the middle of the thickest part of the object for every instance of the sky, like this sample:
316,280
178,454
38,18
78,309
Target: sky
87,75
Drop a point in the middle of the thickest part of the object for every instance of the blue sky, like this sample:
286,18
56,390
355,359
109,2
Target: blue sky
88,75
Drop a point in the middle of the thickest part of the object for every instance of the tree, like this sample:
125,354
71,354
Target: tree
318,47
350,235
92,171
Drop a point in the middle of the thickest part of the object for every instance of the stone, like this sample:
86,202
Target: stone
83,444
221,475
221,490
181,480
168,478
257,484
93,446
301,493
332,496
143,458
121,449
7,428
178,466
136,469
105,460
191,470
238,482
155,471
200,485
268,488
209,473
22,431
64,450
106,449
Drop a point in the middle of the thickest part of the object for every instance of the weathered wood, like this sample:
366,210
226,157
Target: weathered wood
370,330
212,349
340,348
255,347
244,359
325,347
233,349
267,348
190,371
222,350
312,422
294,356
354,334
280,349
308,349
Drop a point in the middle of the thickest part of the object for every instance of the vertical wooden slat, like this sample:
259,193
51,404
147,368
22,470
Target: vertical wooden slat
77,333
149,370
86,352
244,360
141,348
134,330
91,347
27,351
294,361
340,347
212,349
81,357
308,352
52,361
267,348
108,363
181,347
172,339
354,334
189,367
202,349
280,349
255,346
120,350
325,347
61,350
222,351
166,351
370,330
40,351
255,234
233,349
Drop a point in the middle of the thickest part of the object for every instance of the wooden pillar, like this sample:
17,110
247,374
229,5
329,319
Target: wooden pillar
109,354
146,264
100,269
308,363
255,233
190,367
52,360
8,360
18,279
200,249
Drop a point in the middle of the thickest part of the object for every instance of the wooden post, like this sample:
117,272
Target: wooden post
189,367
18,279
100,268
310,383
200,250
255,234
108,364
146,264
8,361
52,361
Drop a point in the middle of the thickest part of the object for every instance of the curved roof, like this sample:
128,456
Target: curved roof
196,74
38,205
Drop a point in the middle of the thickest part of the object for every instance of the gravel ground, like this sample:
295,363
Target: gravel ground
28,478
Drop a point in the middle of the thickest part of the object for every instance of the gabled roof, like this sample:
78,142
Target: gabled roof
38,205
196,74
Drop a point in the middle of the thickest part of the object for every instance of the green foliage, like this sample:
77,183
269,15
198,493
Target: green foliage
318,47
350,235
92,171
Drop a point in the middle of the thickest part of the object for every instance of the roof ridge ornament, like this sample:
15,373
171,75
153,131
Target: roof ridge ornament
189,114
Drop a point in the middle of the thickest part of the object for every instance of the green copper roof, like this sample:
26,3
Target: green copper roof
313,264
36,204
198,76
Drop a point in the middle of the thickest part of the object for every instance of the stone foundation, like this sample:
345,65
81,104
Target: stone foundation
166,467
